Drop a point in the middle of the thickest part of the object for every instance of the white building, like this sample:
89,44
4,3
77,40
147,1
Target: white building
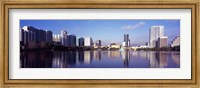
48,36
123,44
176,41
56,38
87,41
64,37
77,41
155,32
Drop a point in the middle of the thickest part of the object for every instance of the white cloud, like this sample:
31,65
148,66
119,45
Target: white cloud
135,26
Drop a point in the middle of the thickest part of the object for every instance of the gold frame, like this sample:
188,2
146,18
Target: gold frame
6,5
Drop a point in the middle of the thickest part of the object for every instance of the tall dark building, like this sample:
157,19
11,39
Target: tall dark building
42,35
29,34
126,40
81,42
49,36
71,40
98,43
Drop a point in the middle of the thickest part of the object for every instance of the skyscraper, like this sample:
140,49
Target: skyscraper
126,40
98,43
81,42
71,40
42,35
29,33
77,41
49,36
155,32
162,41
64,37
87,41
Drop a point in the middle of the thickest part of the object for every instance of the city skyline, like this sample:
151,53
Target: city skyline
138,30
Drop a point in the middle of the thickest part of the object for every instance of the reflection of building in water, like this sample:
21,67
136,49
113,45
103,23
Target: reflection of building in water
64,59
87,57
57,60
141,54
81,56
162,57
97,54
71,58
34,59
158,59
176,58
126,58
153,60
113,54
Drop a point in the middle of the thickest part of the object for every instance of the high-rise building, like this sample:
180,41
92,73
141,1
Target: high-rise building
87,41
56,38
42,35
64,37
175,42
77,41
71,40
126,40
155,32
98,43
49,36
81,42
29,33
21,35
162,41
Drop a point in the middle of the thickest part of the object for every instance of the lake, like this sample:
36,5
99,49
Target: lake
100,59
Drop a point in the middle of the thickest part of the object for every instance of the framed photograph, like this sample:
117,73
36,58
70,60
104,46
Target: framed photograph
100,44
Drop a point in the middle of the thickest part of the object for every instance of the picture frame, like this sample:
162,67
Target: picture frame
4,59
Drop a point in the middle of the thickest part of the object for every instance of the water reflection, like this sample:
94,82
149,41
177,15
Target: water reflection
100,59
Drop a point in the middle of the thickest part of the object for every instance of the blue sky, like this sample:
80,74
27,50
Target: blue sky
108,30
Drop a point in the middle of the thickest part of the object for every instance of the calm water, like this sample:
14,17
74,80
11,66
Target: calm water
100,59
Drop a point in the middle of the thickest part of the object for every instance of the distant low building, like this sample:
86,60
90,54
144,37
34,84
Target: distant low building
143,46
135,47
114,46
175,42
56,38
